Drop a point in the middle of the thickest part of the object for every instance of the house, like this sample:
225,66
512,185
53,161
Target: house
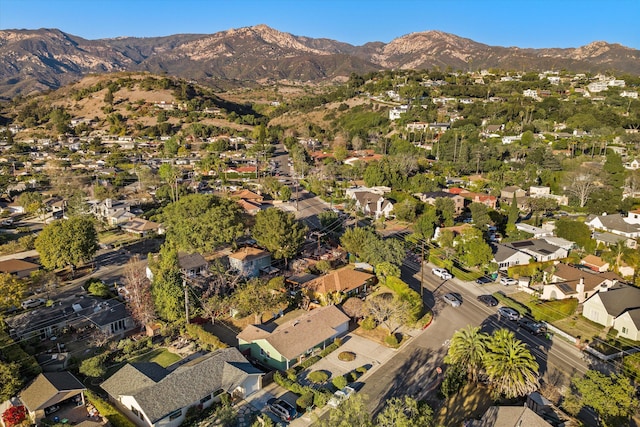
249,261
248,195
506,256
48,389
539,249
606,306
150,395
18,267
85,312
511,191
536,232
510,416
373,204
538,191
628,324
595,263
564,281
249,207
610,239
432,196
192,265
113,212
617,224
142,227
396,112
285,345
456,230
344,280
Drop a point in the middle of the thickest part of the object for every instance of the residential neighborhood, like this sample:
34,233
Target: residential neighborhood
244,264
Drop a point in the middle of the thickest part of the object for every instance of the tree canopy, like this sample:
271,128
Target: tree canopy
68,242
279,232
202,222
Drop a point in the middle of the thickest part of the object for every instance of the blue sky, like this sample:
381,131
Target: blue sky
523,23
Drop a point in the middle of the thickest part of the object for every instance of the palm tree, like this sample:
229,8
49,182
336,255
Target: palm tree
616,254
512,369
468,347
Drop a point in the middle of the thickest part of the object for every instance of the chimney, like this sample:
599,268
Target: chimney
580,287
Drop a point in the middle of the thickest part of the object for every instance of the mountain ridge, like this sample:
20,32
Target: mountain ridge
38,60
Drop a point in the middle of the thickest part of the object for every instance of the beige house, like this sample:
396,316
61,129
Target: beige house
617,307
283,346
49,389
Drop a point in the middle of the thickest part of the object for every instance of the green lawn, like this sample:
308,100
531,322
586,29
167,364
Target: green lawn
161,356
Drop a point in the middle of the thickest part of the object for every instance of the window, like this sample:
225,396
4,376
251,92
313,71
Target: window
206,398
175,414
135,411
625,330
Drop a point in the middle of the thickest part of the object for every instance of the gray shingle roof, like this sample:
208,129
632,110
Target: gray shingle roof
618,300
50,388
158,395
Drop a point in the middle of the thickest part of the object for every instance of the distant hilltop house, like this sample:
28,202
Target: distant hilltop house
113,212
432,196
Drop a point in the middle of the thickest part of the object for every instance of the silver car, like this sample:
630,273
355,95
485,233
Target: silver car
451,299
508,313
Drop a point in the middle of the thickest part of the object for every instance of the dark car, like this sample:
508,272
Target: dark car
483,280
488,300
282,409
532,326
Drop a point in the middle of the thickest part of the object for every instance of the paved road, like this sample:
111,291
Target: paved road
413,369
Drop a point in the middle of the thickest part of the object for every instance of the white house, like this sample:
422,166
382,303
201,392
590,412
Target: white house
394,113
605,306
624,226
373,204
150,395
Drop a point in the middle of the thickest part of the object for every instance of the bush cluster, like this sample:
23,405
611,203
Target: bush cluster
347,356
205,339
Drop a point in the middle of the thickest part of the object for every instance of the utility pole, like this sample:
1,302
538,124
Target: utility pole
186,300
297,198
422,272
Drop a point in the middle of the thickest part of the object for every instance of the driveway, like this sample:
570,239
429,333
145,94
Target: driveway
367,353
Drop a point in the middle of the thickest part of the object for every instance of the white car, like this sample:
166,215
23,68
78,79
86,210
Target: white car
442,273
32,303
508,313
508,281
340,396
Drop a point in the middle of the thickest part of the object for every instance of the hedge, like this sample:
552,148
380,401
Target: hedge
206,339
108,411
404,292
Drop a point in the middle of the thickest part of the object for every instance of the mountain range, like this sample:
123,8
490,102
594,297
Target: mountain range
39,60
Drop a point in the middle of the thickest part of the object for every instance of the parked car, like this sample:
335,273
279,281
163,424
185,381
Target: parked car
442,273
483,280
7,221
508,313
340,396
532,326
488,300
508,281
452,299
33,302
283,409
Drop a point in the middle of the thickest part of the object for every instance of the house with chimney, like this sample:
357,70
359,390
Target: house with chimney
113,212
563,281
626,226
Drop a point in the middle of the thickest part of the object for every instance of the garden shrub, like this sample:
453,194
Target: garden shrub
391,340
320,398
308,362
454,379
339,382
346,356
291,374
361,369
207,340
108,411
368,324
318,377
305,401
